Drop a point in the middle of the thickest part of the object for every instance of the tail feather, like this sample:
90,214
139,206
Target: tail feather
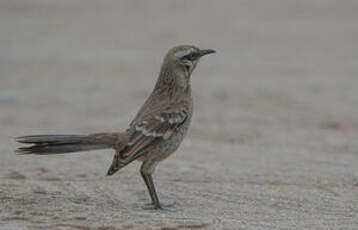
46,139
57,144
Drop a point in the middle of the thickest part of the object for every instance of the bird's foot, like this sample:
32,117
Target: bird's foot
160,206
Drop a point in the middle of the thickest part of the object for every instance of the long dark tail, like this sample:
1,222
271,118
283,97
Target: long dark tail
57,144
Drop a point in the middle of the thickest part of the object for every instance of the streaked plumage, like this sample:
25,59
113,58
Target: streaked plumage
156,131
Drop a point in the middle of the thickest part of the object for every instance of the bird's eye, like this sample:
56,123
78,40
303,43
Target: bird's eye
190,57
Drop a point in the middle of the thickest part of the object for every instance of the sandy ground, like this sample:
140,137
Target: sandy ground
273,143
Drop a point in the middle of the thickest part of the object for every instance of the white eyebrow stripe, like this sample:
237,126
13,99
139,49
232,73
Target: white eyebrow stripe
182,53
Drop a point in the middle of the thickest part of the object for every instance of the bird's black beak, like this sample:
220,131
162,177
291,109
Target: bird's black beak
205,52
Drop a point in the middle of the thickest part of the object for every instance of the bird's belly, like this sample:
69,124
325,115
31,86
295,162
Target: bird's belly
170,145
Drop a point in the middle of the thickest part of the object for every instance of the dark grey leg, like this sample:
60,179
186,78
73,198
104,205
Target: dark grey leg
146,171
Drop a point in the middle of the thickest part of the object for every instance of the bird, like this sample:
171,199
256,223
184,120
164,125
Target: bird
156,131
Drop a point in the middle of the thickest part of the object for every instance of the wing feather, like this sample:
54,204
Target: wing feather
147,131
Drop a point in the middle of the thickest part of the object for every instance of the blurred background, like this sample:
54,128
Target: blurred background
273,142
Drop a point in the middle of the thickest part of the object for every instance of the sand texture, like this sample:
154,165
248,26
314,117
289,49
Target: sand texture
274,137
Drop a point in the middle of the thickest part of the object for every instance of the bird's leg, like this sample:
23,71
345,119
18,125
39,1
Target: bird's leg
146,171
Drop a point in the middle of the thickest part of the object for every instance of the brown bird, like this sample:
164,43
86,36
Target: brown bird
156,131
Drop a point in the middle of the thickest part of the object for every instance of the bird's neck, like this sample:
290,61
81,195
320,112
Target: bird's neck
172,83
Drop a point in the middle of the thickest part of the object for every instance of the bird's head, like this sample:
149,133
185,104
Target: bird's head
180,62
186,57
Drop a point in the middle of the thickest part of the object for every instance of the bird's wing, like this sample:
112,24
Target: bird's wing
153,127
